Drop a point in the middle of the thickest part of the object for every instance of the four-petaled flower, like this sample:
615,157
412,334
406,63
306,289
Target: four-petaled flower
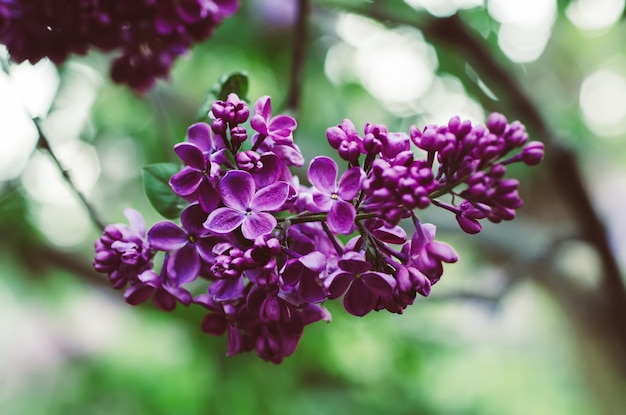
188,245
362,286
275,133
245,206
332,198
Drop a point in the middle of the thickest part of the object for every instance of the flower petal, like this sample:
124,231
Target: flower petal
270,198
282,125
183,265
237,189
136,221
207,196
270,172
164,300
350,183
379,283
310,289
256,224
224,220
337,284
442,251
186,181
227,289
138,293
214,324
323,174
179,293
341,217
199,134
191,155
354,263
166,236
263,107
359,301
192,218
290,154
315,312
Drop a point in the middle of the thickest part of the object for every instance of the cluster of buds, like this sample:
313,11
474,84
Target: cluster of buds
149,34
267,247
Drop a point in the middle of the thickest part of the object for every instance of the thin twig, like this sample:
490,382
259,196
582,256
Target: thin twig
299,55
44,144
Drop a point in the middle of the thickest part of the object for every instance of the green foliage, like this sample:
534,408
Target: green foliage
156,185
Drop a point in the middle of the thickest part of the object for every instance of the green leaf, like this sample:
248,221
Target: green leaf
233,83
156,179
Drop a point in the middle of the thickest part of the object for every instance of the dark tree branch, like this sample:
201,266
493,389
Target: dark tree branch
299,55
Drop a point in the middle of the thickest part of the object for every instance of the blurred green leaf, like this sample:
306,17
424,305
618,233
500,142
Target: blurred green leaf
156,185
233,83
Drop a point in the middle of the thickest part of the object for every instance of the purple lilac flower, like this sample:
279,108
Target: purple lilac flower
305,273
123,252
148,35
346,141
361,285
188,246
265,283
196,180
164,290
275,134
336,199
245,206
427,255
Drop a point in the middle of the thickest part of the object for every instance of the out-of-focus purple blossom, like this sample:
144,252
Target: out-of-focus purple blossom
148,35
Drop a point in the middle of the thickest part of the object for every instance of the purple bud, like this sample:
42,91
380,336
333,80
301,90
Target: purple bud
219,126
335,136
532,154
468,224
238,135
496,123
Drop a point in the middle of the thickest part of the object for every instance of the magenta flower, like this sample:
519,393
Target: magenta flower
305,273
332,198
428,255
275,133
188,245
362,286
245,206
165,292
202,167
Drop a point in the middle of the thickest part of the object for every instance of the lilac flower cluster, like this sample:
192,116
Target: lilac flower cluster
265,249
150,34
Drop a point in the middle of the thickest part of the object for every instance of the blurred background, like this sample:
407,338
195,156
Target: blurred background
529,321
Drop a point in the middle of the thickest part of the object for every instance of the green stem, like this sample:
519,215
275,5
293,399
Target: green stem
320,217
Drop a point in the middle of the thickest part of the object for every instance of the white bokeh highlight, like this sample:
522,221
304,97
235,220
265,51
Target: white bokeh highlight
603,102
595,14
525,26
